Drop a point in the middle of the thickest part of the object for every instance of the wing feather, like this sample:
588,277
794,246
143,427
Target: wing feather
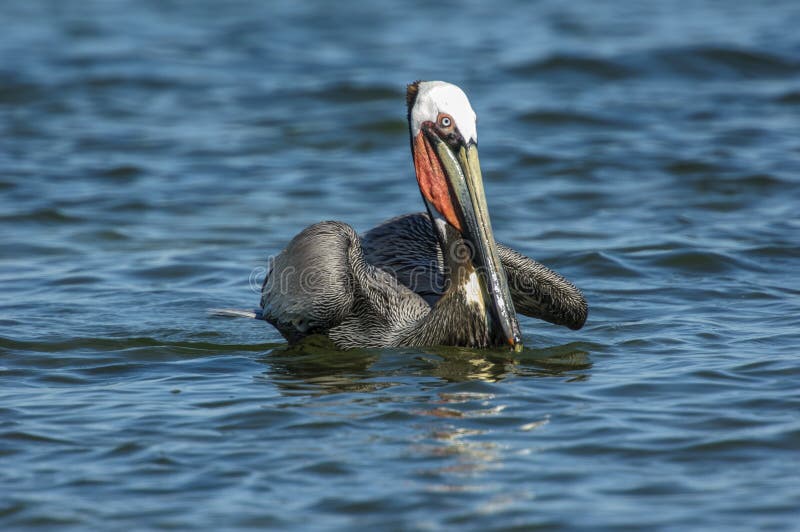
407,248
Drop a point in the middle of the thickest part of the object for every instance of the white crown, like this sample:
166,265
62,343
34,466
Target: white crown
436,97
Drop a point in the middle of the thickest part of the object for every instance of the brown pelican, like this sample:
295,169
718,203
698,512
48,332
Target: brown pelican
435,278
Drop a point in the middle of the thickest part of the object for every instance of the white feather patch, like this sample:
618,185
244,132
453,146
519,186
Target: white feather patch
436,97
474,294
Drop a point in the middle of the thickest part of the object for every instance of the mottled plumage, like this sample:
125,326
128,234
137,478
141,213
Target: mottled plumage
421,279
388,289
406,247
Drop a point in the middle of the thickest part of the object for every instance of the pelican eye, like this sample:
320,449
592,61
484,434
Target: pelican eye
445,121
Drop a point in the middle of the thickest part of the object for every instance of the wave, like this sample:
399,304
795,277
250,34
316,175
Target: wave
571,66
689,62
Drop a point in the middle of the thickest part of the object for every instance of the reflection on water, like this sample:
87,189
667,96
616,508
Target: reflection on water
457,422
316,366
464,453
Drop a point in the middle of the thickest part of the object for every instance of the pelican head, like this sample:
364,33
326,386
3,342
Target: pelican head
444,142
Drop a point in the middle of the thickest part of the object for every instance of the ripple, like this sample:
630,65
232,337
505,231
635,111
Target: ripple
538,159
16,91
709,179
123,173
789,98
759,182
559,66
726,62
94,236
697,261
261,418
567,119
325,468
125,343
134,81
63,379
16,249
604,264
343,92
693,62
390,128
690,167
168,271
10,508
77,280
32,438
48,215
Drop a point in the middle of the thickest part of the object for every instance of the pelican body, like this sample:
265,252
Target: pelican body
433,278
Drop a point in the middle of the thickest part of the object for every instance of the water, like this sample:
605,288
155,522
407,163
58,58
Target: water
153,154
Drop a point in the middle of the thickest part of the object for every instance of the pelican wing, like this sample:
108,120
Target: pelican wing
540,292
406,248
309,287
321,284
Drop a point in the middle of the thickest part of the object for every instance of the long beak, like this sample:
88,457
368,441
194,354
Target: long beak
463,172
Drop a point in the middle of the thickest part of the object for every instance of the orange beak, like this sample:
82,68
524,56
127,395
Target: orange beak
432,180
450,179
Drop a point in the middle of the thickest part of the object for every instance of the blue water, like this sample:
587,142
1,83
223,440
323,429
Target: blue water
154,154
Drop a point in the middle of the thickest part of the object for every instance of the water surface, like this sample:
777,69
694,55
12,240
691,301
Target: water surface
153,154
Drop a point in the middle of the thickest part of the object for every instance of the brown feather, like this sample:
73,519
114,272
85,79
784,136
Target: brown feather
411,94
